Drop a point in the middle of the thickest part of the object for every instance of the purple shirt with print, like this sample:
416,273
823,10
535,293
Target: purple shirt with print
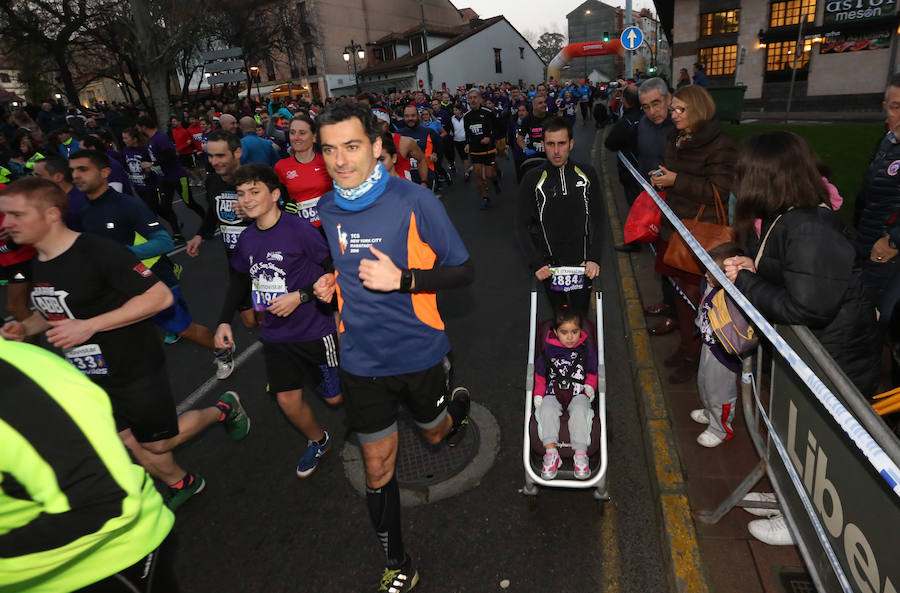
281,259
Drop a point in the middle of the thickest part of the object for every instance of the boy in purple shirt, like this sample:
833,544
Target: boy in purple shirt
280,258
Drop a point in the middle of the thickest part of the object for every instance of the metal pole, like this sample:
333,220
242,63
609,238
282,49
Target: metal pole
797,49
425,46
629,20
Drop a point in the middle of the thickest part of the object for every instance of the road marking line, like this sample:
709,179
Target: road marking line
188,402
679,533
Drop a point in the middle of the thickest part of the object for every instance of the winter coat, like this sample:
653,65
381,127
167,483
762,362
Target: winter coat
808,275
880,194
708,157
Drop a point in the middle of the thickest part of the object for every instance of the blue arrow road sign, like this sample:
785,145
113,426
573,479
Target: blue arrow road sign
632,38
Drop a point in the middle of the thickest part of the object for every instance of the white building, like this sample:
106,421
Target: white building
480,52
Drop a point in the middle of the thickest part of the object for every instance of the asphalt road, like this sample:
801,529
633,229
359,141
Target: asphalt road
259,528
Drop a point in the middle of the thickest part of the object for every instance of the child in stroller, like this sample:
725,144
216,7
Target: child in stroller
565,379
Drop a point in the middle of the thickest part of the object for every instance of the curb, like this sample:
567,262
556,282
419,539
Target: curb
680,546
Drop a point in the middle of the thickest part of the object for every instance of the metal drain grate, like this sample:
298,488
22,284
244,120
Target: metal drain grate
796,581
420,465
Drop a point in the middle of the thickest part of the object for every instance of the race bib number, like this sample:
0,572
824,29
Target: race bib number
230,234
88,359
265,290
413,163
566,278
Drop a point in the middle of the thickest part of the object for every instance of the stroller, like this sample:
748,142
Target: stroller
533,448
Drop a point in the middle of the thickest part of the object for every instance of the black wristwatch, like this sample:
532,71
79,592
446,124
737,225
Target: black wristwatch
405,279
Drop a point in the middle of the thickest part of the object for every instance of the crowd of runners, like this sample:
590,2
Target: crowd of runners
335,246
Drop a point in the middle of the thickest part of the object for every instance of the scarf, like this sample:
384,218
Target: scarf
363,195
682,139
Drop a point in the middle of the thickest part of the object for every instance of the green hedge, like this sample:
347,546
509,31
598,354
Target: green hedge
846,148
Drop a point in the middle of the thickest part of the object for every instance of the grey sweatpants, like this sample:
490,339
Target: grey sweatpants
717,386
579,421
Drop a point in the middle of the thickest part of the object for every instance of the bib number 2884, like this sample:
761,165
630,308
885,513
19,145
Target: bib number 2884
567,278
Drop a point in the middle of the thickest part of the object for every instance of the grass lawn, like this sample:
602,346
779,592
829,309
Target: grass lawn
846,148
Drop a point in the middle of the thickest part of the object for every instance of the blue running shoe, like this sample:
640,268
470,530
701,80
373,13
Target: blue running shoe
171,338
310,460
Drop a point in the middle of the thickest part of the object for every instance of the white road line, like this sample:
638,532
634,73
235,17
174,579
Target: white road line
208,385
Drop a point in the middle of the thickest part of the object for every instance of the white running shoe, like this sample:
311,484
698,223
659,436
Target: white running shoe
772,531
551,464
699,416
224,362
582,466
761,497
709,439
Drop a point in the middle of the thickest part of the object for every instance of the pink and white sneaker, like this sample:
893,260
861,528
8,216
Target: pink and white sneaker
551,464
582,466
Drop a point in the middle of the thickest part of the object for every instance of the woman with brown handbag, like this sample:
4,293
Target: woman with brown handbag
698,169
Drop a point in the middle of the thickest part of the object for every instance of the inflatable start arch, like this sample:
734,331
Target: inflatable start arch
581,50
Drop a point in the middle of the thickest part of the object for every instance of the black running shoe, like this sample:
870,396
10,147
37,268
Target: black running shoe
397,580
485,204
460,403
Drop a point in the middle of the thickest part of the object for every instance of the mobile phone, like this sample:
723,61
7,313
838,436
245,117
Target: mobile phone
657,173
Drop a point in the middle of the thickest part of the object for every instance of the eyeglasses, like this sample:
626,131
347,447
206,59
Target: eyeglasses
679,109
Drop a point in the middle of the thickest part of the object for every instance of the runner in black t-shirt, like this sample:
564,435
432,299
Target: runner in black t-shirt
224,152
531,133
129,221
480,123
94,298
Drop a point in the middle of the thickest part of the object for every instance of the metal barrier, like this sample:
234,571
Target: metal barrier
831,460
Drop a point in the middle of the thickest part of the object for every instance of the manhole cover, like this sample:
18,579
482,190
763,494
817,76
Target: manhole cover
796,581
427,474
420,465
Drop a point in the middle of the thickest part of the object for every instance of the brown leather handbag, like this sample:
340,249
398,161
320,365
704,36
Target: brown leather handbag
708,234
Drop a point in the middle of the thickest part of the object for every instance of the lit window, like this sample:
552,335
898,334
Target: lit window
719,61
717,23
780,56
789,13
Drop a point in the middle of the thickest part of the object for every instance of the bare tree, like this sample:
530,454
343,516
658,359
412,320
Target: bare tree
50,27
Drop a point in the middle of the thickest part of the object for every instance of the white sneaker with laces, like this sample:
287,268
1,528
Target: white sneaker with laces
224,362
761,497
699,416
709,439
772,531
582,466
551,464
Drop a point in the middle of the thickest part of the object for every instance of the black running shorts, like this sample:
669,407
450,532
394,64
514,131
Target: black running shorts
488,158
372,402
146,406
289,365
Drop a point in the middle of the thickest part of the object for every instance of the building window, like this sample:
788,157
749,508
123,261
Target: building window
303,18
719,61
718,23
310,59
292,62
780,57
415,46
521,53
498,65
788,13
388,53
270,68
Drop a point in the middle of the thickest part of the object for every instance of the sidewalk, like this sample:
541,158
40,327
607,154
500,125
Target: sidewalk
730,559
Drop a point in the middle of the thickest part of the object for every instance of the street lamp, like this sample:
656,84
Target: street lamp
254,75
354,50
